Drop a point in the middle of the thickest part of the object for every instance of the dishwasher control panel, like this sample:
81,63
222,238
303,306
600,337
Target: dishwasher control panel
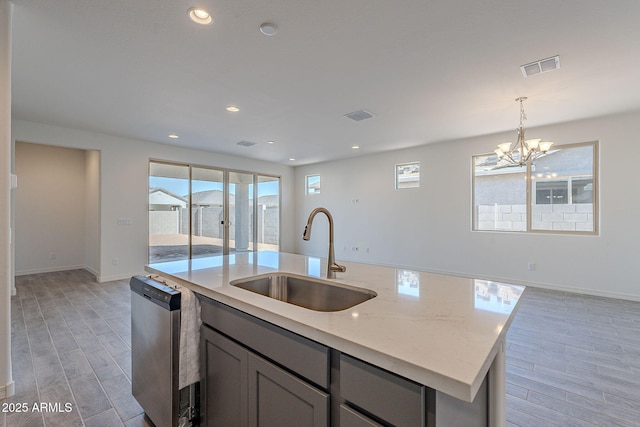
156,292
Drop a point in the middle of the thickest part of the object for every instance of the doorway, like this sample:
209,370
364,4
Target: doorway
57,209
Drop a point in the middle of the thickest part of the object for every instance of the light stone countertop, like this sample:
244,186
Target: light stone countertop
440,331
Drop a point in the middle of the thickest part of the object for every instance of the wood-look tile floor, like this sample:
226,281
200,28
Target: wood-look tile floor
572,360
71,350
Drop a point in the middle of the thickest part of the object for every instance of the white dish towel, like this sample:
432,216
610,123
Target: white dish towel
189,361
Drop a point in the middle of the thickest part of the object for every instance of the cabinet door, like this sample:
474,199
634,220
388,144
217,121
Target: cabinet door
223,393
279,399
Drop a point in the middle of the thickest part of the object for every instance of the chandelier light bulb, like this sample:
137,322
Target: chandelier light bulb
545,146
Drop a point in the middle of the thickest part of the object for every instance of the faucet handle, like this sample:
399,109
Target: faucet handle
337,267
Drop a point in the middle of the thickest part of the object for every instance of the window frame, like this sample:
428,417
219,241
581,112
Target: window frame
530,195
307,185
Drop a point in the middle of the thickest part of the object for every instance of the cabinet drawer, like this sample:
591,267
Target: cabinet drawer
301,355
389,397
351,418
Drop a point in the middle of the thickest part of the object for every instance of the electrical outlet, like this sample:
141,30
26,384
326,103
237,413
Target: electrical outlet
532,266
52,255
115,261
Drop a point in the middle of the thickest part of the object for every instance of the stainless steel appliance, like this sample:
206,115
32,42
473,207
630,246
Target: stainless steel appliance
155,333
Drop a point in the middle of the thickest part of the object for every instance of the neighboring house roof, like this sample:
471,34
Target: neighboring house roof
160,196
209,198
216,197
270,200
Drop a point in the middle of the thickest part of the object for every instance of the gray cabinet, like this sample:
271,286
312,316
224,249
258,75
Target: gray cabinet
349,417
257,374
382,395
279,399
223,388
373,395
240,387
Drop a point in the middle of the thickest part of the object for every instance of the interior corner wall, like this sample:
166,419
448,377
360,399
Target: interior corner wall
430,227
50,207
124,192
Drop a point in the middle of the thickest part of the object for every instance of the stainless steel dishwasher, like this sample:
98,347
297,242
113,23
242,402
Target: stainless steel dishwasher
155,333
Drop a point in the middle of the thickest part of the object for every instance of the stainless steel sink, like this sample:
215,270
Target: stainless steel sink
314,294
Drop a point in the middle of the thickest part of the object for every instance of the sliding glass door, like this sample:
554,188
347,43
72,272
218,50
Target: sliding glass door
196,211
168,212
207,212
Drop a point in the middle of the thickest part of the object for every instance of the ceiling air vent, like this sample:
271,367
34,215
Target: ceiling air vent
246,143
359,115
541,66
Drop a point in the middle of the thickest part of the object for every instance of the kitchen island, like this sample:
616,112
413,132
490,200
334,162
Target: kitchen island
446,333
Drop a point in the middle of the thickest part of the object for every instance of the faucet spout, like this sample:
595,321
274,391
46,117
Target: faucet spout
332,266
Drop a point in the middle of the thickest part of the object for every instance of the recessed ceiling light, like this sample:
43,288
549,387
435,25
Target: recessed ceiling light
270,142
268,29
356,147
291,159
173,136
200,16
232,108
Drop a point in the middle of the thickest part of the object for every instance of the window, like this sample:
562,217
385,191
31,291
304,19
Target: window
557,193
196,211
408,175
313,184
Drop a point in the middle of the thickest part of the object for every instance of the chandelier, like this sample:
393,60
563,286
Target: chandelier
523,151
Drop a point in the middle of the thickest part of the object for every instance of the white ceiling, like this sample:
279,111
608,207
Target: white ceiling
429,70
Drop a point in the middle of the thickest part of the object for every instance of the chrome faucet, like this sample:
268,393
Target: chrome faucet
332,267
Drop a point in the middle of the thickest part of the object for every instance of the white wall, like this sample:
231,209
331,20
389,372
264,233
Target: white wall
6,270
124,188
429,228
92,212
50,207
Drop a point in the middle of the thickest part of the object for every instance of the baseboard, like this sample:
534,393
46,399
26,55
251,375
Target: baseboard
103,279
51,270
7,390
99,279
92,271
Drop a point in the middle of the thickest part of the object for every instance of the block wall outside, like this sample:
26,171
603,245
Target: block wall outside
207,223
164,222
577,217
